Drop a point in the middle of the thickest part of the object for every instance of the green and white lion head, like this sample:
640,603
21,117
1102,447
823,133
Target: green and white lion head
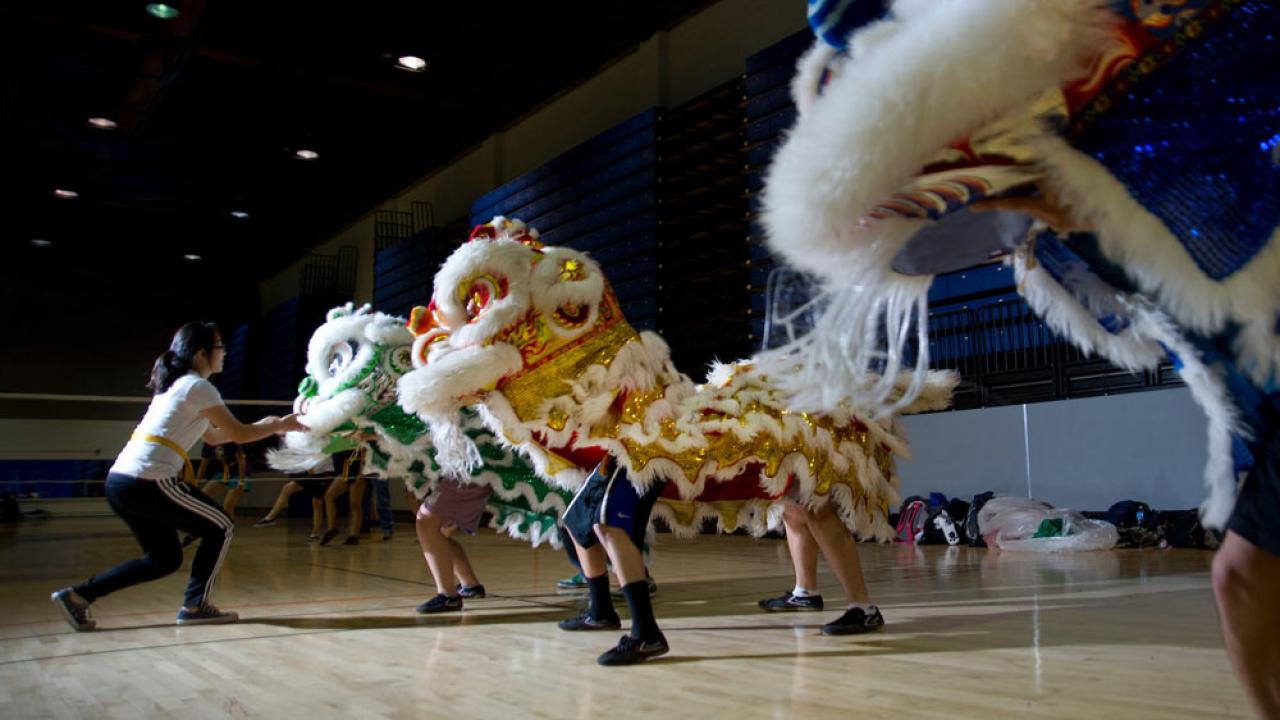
354,361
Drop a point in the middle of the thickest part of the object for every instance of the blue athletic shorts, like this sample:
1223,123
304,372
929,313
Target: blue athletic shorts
609,498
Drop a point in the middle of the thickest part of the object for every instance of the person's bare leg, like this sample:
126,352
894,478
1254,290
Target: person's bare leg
317,516
840,552
331,495
1246,582
803,546
462,569
282,500
628,563
233,497
593,560
355,499
437,551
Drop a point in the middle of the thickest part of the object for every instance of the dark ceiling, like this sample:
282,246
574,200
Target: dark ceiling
211,107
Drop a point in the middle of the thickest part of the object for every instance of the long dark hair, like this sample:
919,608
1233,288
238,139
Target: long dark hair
176,361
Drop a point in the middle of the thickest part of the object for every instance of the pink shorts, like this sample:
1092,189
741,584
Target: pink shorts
459,504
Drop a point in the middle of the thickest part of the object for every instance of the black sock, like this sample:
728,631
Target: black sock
601,604
643,624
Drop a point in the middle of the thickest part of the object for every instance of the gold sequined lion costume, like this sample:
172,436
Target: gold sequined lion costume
533,336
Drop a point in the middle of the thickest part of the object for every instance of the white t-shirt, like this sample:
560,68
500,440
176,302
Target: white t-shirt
174,415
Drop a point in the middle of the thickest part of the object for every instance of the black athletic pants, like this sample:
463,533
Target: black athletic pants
155,510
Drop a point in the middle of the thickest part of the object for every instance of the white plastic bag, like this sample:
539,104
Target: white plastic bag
1010,523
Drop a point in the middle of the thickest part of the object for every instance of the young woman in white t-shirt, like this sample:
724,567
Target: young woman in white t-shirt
146,487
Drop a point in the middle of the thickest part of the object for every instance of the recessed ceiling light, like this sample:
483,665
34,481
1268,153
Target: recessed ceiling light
305,154
64,194
412,63
102,123
239,214
41,242
192,257
162,11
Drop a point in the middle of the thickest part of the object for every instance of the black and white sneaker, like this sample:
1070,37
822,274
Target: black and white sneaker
855,621
265,522
632,650
74,608
584,621
328,537
470,592
440,604
206,615
791,603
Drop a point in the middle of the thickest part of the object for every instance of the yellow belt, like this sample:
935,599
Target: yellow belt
346,466
188,473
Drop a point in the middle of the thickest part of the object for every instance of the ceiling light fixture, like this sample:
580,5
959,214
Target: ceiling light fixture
41,242
305,154
239,214
411,63
102,123
192,257
162,11
64,194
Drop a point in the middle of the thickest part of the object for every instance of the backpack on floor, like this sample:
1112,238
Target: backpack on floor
972,532
940,529
912,519
1135,522
1183,529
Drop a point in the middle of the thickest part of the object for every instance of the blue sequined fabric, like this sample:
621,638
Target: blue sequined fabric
1194,132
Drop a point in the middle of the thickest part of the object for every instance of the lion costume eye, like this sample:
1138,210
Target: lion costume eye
480,293
339,356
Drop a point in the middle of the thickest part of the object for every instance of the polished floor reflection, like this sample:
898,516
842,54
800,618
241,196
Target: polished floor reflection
331,632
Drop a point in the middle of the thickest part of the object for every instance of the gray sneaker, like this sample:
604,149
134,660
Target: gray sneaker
75,609
206,615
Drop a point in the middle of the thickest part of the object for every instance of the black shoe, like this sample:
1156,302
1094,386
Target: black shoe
440,604
855,621
791,603
265,522
74,609
470,592
584,621
631,650
328,537
352,540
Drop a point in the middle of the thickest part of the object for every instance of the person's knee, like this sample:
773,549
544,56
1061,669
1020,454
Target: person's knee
166,561
1240,572
427,520
794,515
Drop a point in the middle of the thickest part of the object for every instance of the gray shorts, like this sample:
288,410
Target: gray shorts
459,504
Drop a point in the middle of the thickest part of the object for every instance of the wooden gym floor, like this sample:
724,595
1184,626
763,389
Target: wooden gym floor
331,632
